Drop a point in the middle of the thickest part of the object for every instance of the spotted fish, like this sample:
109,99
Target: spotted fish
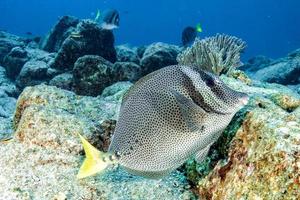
167,117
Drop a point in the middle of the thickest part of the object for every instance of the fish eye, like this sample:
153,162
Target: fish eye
209,81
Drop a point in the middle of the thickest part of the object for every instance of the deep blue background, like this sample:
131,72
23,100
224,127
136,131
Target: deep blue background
270,27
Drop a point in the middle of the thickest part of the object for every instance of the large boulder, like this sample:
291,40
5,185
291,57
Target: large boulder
126,54
91,74
127,71
88,39
7,105
63,81
159,55
14,61
7,42
284,71
6,85
254,64
34,72
47,150
18,56
64,27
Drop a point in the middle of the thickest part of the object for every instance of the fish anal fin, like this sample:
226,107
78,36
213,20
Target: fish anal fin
201,155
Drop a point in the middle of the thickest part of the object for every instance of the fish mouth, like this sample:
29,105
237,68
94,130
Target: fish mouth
244,100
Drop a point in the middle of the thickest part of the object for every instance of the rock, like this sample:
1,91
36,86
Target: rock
127,71
254,64
125,54
261,142
283,71
296,88
63,81
294,54
140,51
33,73
91,74
7,42
7,87
14,61
116,91
89,39
158,55
64,27
47,150
7,108
6,131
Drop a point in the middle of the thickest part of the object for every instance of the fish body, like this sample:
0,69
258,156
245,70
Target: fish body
111,19
169,116
188,35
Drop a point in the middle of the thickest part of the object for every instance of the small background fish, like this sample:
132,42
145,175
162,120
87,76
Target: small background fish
189,34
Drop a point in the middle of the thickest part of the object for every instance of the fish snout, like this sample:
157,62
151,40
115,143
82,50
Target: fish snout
244,99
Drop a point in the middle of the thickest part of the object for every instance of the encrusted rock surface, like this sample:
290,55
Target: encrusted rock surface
33,73
127,71
254,64
63,81
43,159
91,74
283,71
7,42
126,54
262,161
6,85
87,39
64,27
18,56
158,55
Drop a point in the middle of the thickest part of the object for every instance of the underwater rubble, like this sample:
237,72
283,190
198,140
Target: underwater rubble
43,108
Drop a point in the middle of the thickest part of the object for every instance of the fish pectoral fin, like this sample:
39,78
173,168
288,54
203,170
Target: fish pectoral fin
191,112
94,161
201,155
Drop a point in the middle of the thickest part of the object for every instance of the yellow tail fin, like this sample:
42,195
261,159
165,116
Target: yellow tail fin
95,161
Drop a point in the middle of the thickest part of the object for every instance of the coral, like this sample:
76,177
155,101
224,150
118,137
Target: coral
219,54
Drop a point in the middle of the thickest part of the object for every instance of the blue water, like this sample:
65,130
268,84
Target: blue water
270,27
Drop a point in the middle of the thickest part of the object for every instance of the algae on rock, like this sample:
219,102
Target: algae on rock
263,158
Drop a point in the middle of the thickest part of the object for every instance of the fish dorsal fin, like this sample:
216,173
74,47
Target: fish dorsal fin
190,111
200,155
137,85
